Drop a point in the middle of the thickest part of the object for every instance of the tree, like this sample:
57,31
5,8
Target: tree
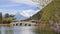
0,17
12,16
7,20
42,3
7,15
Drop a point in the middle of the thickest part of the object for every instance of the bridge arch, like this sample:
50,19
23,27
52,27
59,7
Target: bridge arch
22,24
29,24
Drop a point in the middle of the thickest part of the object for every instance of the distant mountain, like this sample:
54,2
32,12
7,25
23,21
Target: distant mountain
36,16
20,17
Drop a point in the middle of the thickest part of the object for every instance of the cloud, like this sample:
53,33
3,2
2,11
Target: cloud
17,5
20,7
28,13
9,11
9,5
14,11
24,1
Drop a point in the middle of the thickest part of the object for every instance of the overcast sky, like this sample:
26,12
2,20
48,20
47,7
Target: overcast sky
24,7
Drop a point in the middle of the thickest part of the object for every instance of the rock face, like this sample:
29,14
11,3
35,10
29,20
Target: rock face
55,26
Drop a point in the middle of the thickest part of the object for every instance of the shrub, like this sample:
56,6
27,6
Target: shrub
7,20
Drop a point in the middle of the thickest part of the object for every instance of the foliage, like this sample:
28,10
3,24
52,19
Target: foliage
36,16
51,12
0,17
7,15
7,20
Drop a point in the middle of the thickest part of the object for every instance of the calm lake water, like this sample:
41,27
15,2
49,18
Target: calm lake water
17,30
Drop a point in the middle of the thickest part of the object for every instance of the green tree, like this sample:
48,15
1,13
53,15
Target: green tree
0,17
12,16
7,20
7,15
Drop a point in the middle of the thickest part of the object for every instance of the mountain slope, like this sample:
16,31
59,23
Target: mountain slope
36,16
19,17
51,11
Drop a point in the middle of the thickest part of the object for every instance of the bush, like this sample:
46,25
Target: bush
7,20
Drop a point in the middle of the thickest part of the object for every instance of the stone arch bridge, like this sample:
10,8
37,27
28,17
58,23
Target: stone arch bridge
22,24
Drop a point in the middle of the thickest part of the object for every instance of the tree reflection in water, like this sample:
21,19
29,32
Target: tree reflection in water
44,31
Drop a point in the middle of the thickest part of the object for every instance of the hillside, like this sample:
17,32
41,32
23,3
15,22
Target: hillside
51,11
36,16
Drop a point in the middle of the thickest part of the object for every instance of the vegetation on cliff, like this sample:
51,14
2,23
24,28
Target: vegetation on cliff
50,12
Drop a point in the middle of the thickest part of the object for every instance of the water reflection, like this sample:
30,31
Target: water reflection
6,30
17,30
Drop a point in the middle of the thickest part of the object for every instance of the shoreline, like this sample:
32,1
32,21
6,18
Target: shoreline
10,25
4,24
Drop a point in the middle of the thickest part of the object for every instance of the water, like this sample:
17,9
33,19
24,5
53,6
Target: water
17,30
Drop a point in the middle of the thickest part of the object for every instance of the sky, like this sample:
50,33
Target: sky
24,7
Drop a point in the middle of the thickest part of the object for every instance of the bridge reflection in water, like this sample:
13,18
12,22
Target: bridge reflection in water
22,24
